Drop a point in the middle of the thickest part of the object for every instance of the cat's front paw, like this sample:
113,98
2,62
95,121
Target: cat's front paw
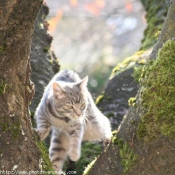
74,155
107,140
42,133
57,170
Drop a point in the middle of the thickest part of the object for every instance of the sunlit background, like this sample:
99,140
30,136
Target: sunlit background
92,36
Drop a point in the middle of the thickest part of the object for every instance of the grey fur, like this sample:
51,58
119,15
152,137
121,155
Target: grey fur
67,108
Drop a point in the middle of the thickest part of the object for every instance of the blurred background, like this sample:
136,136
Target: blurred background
92,36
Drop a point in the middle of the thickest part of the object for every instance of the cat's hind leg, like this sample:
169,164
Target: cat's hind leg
58,149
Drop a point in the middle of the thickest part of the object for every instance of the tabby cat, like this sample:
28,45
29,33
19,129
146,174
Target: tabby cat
68,110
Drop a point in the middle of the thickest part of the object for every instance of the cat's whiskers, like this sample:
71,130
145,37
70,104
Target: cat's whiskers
86,121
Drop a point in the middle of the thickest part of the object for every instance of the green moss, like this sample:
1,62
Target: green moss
4,126
156,13
137,73
157,96
157,34
109,98
132,120
2,49
45,161
46,49
142,61
114,140
32,115
114,132
151,33
110,114
132,101
88,168
89,152
126,153
129,62
13,128
99,99
3,86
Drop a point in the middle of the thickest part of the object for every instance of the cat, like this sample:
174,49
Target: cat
68,110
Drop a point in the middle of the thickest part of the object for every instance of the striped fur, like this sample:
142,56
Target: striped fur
68,110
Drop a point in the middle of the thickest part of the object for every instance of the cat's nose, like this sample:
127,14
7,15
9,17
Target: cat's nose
78,113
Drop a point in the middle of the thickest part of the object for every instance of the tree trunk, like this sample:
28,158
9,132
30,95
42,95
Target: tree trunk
18,150
144,143
43,61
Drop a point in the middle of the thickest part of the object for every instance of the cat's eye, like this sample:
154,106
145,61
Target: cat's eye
82,105
69,106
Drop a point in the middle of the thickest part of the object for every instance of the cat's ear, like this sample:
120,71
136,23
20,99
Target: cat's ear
57,89
83,83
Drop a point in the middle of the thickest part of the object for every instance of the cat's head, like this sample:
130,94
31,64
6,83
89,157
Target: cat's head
70,99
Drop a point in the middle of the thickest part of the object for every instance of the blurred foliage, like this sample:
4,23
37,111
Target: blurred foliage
89,152
99,74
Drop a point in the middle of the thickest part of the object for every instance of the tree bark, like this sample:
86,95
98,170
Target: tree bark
44,64
144,143
18,150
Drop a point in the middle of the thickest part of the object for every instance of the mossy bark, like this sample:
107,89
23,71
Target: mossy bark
156,14
145,141
18,150
167,33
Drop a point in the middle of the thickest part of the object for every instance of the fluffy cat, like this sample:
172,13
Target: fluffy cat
68,109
